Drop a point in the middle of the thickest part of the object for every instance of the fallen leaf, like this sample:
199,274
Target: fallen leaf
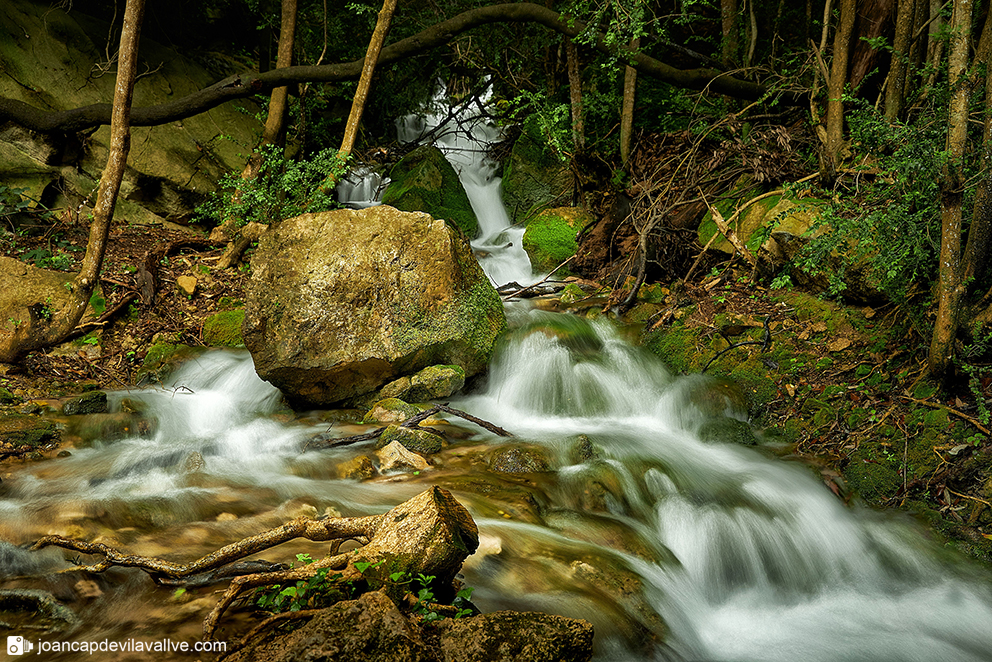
869,313
820,327
958,449
791,390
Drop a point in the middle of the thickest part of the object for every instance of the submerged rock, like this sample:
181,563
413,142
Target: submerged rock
94,402
519,459
395,456
46,613
343,302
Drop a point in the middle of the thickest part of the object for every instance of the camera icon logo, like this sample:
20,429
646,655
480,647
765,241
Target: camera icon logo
17,645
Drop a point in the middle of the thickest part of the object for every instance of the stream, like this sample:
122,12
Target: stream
676,544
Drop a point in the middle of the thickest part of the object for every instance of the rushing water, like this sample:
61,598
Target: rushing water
676,544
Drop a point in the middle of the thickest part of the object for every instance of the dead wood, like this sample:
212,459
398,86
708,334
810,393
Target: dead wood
431,534
324,440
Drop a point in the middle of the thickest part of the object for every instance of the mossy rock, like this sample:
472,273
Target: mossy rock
94,402
162,359
550,237
436,381
414,440
224,329
390,410
534,176
424,181
22,430
519,459
112,427
728,430
872,475
7,398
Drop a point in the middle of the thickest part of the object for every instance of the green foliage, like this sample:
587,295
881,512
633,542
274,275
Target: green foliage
284,188
892,225
320,590
17,206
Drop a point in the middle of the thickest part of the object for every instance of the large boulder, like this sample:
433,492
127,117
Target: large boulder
550,238
425,181
342,302
55,59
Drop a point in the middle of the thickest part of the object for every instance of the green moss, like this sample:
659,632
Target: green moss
871,475
424,181
534,177
224,329
924,390
550,236
162,359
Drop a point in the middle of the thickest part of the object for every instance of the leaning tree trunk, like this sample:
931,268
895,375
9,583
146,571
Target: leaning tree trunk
627,111
53,326
950,288
364,85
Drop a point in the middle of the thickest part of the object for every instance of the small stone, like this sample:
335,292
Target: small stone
226,517
395,456
519,460
87,589
64,453
187,285
436,381
360,468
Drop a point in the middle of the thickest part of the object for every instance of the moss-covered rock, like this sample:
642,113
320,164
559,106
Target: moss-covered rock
534,177
519,459
162,359
19,430
224,329
415,440
390,410
94,402
436,381
550,236
424,181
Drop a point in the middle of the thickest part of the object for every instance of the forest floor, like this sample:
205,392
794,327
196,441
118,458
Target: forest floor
840,388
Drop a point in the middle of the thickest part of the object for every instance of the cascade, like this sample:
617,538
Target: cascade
741,556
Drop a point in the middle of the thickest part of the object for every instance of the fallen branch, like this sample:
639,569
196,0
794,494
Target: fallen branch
540,282
431,534
961,415
765,343
324,440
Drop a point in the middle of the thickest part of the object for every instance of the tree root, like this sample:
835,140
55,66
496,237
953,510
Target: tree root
431,534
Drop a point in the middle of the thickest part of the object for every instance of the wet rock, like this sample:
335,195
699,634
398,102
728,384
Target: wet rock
46,613
582,450
533,177
395,456
398,388
194,463
390,410
435,382
111,427
360,468
87,589
94,402
511,635
550,238
371,629
19,430
322,331
519,459
418,441
728,430
162,359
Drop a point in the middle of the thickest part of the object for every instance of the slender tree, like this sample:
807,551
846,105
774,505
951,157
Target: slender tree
835,92
896,83
627,111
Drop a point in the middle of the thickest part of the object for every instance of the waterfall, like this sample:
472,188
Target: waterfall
463,136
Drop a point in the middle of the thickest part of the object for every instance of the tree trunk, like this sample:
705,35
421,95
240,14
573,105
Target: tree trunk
575,95
975,263
627,111
835,92
365,82
46,332
935,47
894,99
731,42
274,132
950,286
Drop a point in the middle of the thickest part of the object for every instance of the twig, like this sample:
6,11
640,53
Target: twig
543,280
765,343
957,413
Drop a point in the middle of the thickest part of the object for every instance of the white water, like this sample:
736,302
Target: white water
464,139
